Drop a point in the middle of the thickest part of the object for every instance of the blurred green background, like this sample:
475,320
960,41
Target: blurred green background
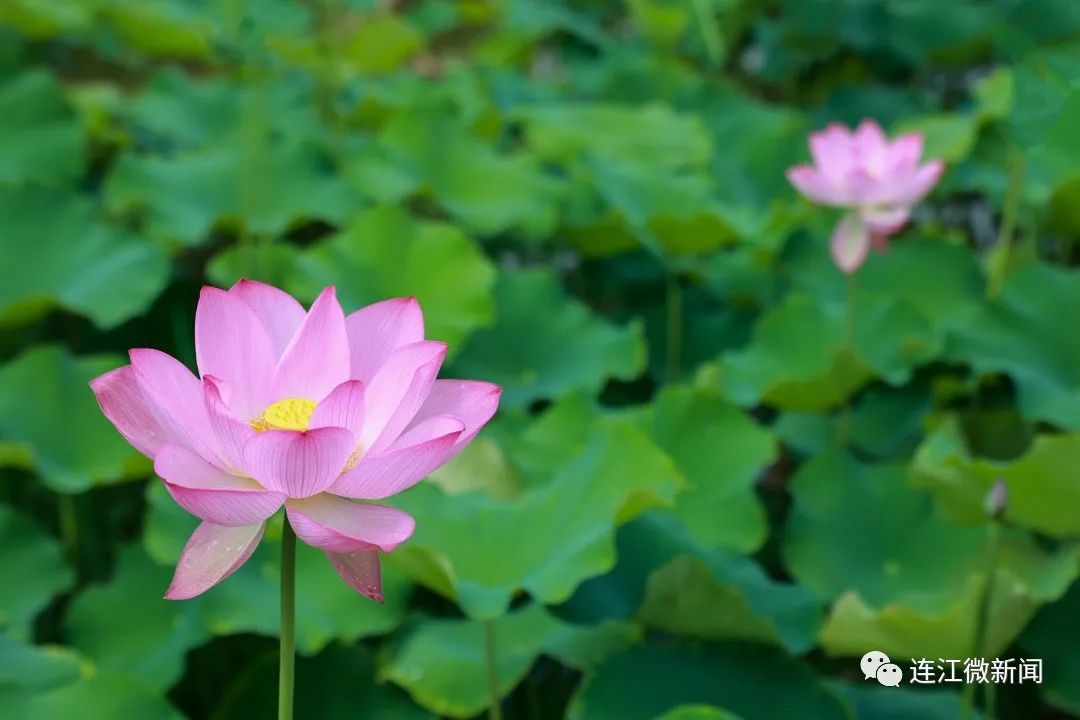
702,496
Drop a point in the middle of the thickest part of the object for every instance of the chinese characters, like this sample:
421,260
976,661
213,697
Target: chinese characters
999,671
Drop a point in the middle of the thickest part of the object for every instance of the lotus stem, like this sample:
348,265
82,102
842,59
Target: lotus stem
982,625
495,711
849,348
710,31
674,326
852,288
1000,256
982,620
69,528
323,13
288,621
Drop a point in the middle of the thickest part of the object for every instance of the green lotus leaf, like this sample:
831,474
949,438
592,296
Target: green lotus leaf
60,253
891,593
739,678
181,199
1041,487
329,686
720,451
41,139
36,667
544,345
34,559
46,383
1020,335
149,638
385,253
443,663
547,540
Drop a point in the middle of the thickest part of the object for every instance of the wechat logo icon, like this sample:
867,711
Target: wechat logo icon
875,664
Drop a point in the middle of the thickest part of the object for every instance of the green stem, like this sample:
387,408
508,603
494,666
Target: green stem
253,173
324,13
235,12
69,528
288,619
710,31
999,257
495,711
844,422
674,326
982,625
533,698
848,347
849,312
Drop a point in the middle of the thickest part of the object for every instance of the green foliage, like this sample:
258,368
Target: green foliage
148,641
34,557
442,662
386,253
42,140
43,398
889,592
63,254
36,668
1052,636
898,703
331,685
479,550
720,452
1021,335
1041,486
731,677
102,694
545,345
722,470
703,592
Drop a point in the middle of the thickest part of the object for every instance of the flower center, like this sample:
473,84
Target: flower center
287,414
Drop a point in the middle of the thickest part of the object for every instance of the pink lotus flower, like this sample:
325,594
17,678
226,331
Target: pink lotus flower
307,410
876,180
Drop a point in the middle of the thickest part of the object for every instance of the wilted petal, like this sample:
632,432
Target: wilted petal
179,397
298,463
814,185
879,241
279,312
376,331
231,433
397,391
471,401
342,526
343,407
317,358
361,570
212,494
231,343
135,415
850,243
414,456
212,554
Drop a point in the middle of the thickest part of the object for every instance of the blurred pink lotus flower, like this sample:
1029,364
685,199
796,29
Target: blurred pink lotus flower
307,410
876,180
